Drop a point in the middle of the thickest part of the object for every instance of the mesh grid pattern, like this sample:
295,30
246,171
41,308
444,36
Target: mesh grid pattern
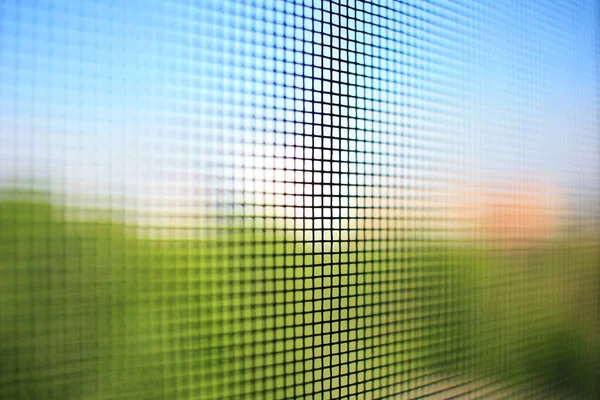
299,199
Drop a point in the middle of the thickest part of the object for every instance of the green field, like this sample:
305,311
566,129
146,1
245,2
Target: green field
91,309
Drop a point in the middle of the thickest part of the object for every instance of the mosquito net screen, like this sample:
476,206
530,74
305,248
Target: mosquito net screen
224,199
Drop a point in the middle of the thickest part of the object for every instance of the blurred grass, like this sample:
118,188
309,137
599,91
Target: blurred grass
89,309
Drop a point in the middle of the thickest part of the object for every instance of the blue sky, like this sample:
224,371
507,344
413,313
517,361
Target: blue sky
161,99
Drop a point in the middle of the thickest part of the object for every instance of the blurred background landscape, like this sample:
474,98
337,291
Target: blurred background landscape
299,199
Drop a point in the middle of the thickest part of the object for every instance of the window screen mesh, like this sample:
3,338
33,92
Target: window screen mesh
299,199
